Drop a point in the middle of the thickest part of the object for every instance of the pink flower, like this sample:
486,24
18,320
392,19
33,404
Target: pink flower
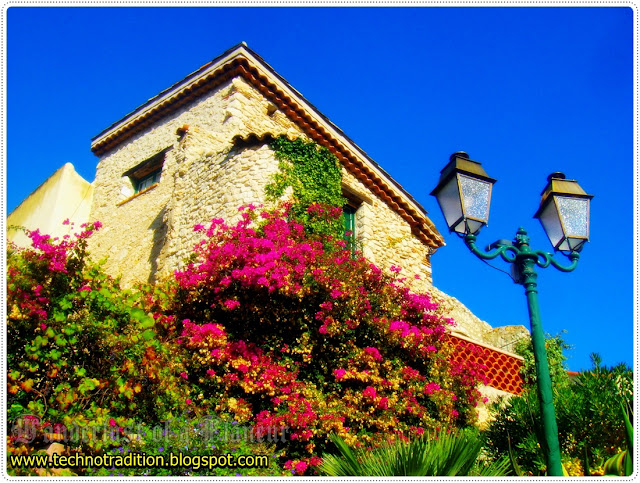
198,227
373,352
301,467
431,388
383,403
85,288
43,326
211,372
184,375
395,269
188,401
339,373
112,422
369,392
231,304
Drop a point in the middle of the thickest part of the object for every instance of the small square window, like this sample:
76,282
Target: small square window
147,173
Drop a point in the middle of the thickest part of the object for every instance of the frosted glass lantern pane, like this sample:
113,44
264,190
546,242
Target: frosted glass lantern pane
574,213
551,224
475,196
449,201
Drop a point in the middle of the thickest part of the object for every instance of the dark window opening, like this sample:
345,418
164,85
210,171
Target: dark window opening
147,173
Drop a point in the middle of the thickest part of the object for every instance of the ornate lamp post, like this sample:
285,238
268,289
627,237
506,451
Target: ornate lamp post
464,196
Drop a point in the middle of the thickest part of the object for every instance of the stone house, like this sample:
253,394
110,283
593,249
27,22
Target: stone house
200,149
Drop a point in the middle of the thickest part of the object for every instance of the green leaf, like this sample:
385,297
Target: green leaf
148,334
138,314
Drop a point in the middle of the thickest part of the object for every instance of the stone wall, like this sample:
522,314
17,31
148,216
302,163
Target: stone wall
470,326
215,163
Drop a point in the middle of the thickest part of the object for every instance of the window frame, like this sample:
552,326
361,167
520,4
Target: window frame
149,169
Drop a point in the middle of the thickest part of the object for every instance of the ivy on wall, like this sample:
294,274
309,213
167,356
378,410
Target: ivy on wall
314,176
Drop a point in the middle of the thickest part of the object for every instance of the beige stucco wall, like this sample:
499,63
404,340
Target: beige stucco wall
64,195
207,175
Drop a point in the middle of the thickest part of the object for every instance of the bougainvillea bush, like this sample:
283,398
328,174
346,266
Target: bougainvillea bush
285,333
81,352
266,327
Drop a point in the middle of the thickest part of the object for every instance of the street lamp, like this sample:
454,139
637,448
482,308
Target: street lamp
464,196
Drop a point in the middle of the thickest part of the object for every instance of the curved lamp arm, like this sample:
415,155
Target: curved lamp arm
510,253
507,252
545,259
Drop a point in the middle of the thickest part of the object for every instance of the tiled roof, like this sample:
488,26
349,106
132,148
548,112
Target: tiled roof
241,61
502,369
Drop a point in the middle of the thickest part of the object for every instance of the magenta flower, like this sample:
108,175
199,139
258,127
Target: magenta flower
231,304
339,373
373,352
369,392
301,467
431,388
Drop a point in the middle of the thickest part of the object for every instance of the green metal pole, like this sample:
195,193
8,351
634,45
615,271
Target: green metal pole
526,261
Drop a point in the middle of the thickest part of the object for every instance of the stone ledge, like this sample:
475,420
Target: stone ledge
135,195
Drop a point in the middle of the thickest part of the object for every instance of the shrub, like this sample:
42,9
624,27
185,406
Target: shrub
81,353
590,424
286,333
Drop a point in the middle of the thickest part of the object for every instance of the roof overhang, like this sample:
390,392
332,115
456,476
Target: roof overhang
242,61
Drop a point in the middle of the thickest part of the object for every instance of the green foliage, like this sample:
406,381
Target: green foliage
445,454
590,426
555,347
622,463
82,352
314,176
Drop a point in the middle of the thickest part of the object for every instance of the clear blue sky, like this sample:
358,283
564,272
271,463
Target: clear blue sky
526,91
